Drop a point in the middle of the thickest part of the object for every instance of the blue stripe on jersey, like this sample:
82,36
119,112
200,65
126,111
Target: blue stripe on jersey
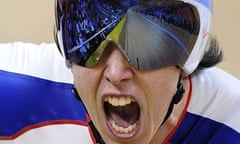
26,100
196,129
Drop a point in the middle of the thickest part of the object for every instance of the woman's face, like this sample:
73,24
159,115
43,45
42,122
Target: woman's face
125,104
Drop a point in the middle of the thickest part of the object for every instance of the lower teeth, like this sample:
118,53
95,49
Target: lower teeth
122,129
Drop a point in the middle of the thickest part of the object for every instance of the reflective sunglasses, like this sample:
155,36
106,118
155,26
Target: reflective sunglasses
150,33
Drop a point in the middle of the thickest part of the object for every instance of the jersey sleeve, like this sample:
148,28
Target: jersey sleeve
36,102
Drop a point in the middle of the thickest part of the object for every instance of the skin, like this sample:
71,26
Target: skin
153,91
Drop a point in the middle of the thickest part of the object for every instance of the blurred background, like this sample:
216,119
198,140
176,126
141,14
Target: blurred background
33,20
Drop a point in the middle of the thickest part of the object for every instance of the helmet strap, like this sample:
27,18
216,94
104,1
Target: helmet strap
176,99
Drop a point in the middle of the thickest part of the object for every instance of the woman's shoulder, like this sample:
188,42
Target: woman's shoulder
215,82
216,96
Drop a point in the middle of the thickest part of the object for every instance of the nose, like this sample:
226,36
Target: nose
117,68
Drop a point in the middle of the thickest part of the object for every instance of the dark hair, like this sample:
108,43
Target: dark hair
212,56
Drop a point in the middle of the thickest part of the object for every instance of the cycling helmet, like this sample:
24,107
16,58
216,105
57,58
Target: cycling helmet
150,33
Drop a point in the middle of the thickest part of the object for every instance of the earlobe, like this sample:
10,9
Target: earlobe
184,75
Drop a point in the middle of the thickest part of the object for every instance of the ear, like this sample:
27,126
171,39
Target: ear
184,74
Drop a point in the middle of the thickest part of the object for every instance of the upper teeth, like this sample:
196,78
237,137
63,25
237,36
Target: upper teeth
119,101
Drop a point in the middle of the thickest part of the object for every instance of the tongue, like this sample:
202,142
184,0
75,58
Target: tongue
120,122
123,116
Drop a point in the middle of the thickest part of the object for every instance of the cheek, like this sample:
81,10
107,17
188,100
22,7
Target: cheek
85,83
159,102
159,95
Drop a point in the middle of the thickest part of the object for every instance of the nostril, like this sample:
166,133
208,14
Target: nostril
116,77
113,80
108,79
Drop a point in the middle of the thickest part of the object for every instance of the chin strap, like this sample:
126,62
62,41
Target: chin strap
176,99
95,132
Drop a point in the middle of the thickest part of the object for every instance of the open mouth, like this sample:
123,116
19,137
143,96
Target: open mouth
122,112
